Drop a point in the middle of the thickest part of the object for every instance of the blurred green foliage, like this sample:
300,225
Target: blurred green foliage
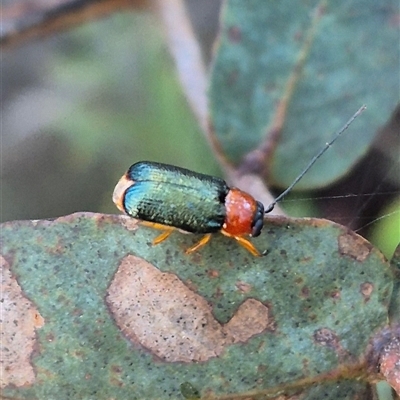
122,103
386,232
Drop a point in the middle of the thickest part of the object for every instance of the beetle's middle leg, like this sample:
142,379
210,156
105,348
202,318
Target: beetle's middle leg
203,241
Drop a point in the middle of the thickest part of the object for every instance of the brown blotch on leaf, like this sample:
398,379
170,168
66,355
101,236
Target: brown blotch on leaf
59,248
326,337
250,318
354,246
159,312
233,77
366,290
131,224
213,273
335,294
305,292
243,287
235,34
19,320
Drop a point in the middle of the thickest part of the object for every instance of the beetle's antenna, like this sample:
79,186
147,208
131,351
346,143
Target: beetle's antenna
314,159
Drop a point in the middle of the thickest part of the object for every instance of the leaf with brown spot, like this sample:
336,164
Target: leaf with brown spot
123,315
353,246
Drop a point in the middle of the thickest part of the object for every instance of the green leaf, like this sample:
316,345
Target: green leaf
386,229
320,60
108,315
394,309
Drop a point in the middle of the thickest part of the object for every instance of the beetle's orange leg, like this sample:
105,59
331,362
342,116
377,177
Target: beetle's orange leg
160,238
156,225
245,243
203,241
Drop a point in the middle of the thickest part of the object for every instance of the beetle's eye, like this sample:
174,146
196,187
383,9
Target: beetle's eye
258,220
257,228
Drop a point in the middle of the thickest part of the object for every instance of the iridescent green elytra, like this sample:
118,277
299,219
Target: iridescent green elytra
176,197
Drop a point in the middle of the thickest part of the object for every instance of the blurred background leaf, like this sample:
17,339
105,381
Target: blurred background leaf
319,61
108,97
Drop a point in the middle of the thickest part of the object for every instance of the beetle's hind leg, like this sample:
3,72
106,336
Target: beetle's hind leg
160,238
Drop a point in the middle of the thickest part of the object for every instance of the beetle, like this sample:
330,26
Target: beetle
168,197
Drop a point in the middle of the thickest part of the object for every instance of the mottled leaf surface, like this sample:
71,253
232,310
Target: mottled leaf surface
120,318
322,60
